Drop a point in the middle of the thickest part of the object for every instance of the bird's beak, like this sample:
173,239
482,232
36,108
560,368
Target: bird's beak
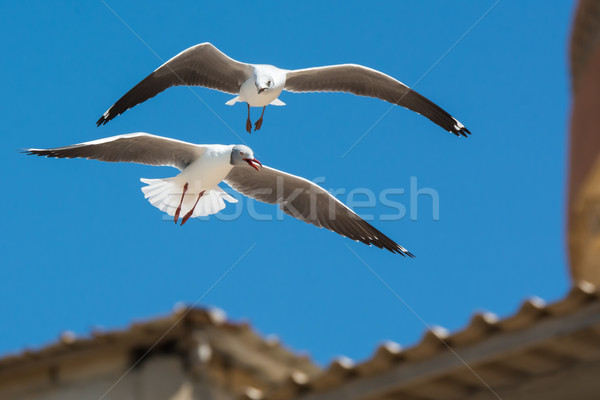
260,90
252,162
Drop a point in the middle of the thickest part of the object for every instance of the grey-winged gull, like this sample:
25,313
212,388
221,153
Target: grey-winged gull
260,85
195,191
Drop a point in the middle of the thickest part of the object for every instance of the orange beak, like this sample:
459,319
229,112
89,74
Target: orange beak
252,162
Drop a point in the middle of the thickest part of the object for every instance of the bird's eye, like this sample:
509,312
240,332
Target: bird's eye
241,153
269,83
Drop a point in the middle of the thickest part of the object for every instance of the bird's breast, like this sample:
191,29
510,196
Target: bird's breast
207,171
250,95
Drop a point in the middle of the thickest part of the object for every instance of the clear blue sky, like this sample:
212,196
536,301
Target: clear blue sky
81,247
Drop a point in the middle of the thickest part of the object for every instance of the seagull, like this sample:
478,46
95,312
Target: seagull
259,85
195,191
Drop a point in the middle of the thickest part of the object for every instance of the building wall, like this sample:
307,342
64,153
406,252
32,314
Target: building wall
584,174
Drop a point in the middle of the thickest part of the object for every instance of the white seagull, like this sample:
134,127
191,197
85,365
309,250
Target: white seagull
194,192
260,85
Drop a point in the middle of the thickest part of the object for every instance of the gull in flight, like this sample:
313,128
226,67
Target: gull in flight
195,191
260,85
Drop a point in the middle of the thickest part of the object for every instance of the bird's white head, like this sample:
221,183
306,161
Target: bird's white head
264,83
241,155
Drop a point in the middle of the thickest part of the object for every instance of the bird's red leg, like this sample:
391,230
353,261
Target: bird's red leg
185,188
258,123
248,122
189,214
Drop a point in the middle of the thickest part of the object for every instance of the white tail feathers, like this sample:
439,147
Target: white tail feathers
165,194
277,102
233,101
236,99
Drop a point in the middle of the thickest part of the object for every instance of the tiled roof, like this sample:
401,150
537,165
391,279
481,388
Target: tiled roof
536,339
151,334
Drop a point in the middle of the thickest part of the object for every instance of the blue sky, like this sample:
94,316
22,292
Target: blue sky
82,248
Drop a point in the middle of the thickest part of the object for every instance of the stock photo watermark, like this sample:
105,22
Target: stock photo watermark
397,203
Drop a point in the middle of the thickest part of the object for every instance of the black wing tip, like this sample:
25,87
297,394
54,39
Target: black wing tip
402,251
407,253
102,121
383,242
392,247
37,152
48,153
378,239
460,131
109,115
30,152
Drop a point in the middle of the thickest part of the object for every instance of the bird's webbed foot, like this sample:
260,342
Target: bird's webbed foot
258,124
178,210
248,125
191,212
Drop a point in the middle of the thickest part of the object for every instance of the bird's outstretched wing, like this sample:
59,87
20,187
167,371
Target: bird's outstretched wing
142,148
308,202
364,81
200,65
